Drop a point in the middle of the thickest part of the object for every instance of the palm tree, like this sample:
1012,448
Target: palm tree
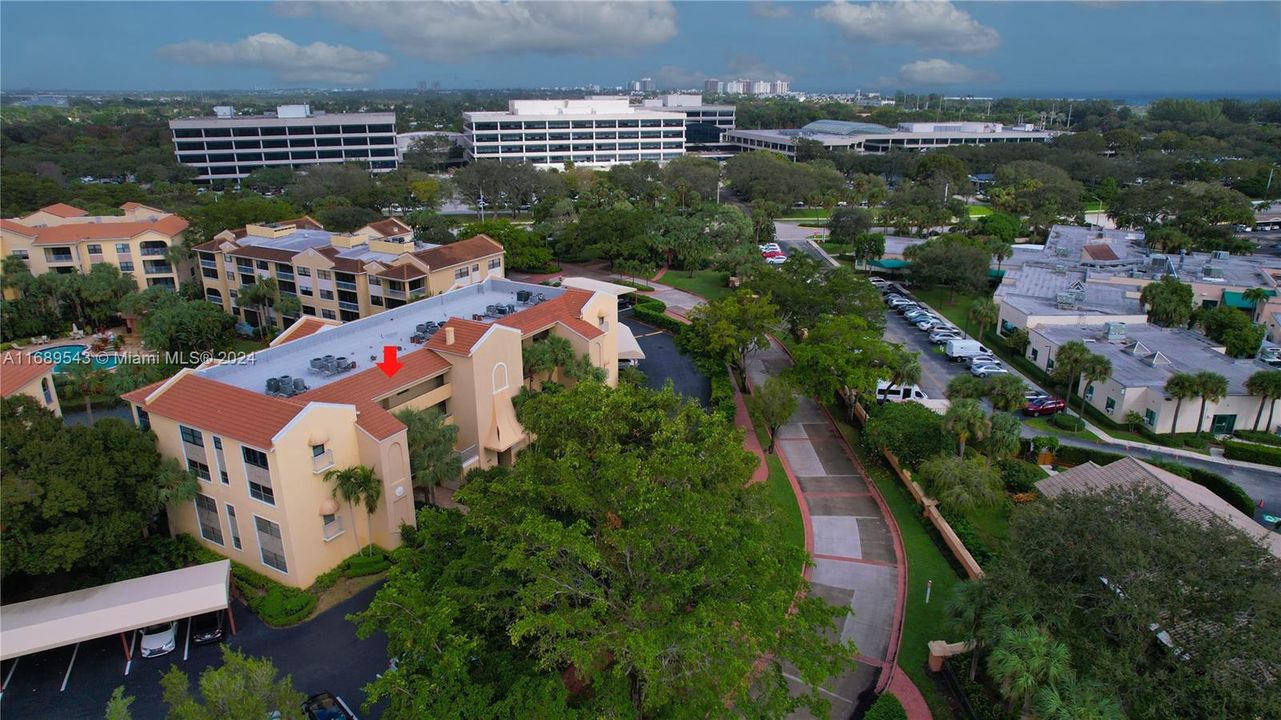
1000,251
88,380
1069,361
1258,297
261,296
1096,369
983,313
1026,660
906,368
1266,384
1180,386
1077,700
1211,387
356,484
966,610
966,420
432,458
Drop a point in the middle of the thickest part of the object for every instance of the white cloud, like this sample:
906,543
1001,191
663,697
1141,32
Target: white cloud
464,28
674,76
288,61
770,10
942,72
927,24
747,65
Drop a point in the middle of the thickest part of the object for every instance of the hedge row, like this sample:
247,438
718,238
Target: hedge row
276,604
723,396
652,311
355,566
1068,422
639,286
1251,452
885,707
1257,436
1225,489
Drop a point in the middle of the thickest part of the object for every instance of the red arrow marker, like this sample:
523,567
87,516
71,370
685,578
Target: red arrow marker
390,365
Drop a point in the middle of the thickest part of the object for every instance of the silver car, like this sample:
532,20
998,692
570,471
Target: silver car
159,639
983,371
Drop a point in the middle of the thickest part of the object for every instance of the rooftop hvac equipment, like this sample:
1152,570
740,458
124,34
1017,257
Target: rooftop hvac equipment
523,296
1220,255
1114,330
1066,300
285,386
1211,272
1062,250
331,365
1060,268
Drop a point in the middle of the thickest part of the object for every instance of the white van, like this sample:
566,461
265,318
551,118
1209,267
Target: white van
958,350
898,393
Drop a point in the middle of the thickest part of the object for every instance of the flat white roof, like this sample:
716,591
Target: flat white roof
591,285
69,618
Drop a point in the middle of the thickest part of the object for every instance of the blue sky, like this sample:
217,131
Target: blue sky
1130,49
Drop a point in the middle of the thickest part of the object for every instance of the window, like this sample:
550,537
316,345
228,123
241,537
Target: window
94,249
323,274
48,395
207,515
1149,417
1033,354
191,436
461,273
233,526
317,450
304,272
495,263
144,420
270,544
326,294
333,526
1109,406
308,310
375,281
122,248
328,314
1089,391
1049,364
257,458
200,469
376,300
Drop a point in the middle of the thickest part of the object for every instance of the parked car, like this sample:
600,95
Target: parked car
929,324
159,639
918,315
775,260
898,393
207,628
1044,406
327,706
983,371
899,302
940,337
981,359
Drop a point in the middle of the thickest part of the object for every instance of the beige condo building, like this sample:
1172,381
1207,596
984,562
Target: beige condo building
261,434
65,239
339,276
22,374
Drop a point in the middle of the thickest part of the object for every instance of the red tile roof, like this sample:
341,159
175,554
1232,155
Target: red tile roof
221,409
466,334
18,369
64,210
390,226
262,252
14,226
169,225
472,248
1100,251
342,264
139,206
366,386
566,310
301,329
404,271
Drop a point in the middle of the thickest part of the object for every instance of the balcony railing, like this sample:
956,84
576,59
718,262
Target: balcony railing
322,462
283,275
154,251
391,293
344,305
469,455
59,258
211,264
157,268
344,285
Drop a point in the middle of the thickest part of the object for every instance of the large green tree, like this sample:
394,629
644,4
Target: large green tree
241,687
1266,385
1169,302
961,485
842,356
187,328
433,461
730,329
356,485
621,567
73,498
966,420
773,404
806,290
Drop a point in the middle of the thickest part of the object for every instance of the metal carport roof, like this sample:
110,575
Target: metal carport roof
628,348
80,615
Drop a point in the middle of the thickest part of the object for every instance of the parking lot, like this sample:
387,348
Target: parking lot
75,682
663,362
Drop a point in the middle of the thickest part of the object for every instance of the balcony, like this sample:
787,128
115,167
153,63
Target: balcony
211,264
322,462
470,455
344,285
59,258
283,275
154,267
398,294
350,306
154,251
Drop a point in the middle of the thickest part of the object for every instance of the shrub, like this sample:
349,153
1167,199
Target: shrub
886,707
1266,438
971,539
1250,452
652,311
1195,442
1019,476
362,565
1070,455
723,396
911,431
283,605
1068,422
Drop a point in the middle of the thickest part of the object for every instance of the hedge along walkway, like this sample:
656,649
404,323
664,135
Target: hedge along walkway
858,555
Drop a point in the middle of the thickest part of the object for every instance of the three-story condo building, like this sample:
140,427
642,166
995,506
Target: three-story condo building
339,276
261,434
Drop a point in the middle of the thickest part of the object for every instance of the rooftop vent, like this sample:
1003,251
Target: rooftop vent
1220,255
1114,330
1062,250
1157,358
1138,349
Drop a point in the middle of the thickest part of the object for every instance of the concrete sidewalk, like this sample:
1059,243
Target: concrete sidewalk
857,562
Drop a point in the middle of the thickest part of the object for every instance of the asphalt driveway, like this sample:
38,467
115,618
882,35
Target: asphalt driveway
664,362
321,655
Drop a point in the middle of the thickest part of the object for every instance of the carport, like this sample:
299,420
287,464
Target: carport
628,348
117,608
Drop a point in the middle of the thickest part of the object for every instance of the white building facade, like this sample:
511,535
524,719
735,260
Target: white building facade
227,146
597,132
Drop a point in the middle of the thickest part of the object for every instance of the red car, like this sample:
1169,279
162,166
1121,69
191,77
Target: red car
1044,406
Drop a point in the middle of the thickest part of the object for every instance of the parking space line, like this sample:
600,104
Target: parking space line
187,644
70,665
9,675
133,641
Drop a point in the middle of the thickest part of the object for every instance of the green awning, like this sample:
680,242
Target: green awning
889,264
996,274
1237,300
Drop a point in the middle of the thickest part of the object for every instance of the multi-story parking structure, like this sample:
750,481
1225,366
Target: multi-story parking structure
598,132
261,434
227,146
871,138
65,239
339,276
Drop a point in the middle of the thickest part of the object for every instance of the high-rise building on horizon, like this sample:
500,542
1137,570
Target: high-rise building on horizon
713,86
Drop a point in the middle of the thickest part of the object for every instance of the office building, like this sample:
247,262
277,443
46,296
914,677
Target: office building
871,138
704,124
339,276
261,435
23,374
596,132
647,85
762,87
228,146
65,239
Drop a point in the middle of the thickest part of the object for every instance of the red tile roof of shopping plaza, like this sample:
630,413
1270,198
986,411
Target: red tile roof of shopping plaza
466,334
472,248
17,369
64,210
219,408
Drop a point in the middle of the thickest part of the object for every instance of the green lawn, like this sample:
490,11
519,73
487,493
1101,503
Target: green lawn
1095,206
1044,426
956,310
246,345
705,283
925,562
816,213
977,211
780,493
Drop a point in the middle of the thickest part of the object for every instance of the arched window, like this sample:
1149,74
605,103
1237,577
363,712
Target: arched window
48,396
395,462
500,377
